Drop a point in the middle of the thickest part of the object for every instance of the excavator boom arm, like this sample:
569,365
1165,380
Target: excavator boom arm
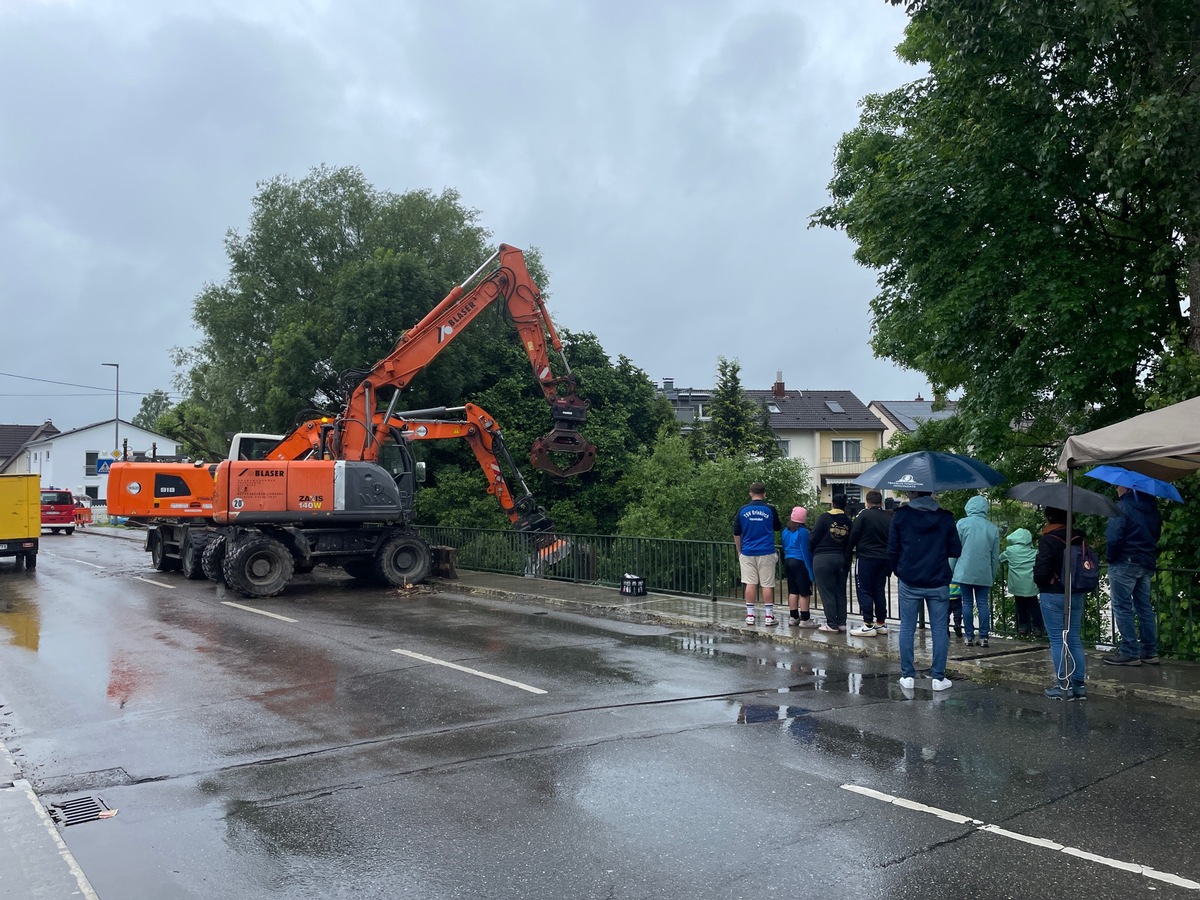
360,433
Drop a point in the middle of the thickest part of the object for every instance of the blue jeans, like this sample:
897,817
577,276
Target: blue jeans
937,600
1130,586
976,595
1072,674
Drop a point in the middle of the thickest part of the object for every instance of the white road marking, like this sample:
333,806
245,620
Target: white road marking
72,559
450,665
158,583
261,612
1136,868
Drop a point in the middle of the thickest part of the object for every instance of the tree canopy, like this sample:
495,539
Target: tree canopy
1032,206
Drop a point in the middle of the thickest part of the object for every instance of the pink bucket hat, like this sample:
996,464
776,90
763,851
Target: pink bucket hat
799,514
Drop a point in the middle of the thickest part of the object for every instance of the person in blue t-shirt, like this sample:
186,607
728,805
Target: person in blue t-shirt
754,529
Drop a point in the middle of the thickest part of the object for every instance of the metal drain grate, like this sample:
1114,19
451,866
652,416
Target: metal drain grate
79,810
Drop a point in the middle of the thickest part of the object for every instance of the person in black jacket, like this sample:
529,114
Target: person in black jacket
831,562
869,539
1132,558
921,542
1062,628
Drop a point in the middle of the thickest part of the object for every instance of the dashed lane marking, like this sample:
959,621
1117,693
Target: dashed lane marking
469,671
261,612
1167,877
157,583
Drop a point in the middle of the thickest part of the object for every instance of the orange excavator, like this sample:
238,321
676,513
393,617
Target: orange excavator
339,489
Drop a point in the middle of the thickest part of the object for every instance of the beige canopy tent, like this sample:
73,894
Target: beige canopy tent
1163,444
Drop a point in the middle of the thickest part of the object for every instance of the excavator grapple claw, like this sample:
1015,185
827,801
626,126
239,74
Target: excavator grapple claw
562,441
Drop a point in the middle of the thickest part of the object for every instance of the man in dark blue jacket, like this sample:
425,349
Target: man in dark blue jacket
921,542
1132,556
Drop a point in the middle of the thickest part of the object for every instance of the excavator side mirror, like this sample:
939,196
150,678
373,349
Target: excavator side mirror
420,472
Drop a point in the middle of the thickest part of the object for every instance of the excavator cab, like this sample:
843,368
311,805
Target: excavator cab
396,457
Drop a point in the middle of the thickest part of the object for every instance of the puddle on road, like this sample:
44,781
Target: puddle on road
20,616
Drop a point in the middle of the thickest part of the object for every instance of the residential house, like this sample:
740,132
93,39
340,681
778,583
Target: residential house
14,437
78,459
903,416
833,432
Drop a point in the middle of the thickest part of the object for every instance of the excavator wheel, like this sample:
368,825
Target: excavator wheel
212,560
403,559
193,554
258,566
158,554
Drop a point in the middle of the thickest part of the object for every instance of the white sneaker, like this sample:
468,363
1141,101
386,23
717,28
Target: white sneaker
750,620
942,684
907,683
881,629
864,631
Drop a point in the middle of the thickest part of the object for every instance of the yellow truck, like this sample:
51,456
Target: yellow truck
20,517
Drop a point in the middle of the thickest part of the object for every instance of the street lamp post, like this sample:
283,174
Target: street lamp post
117,415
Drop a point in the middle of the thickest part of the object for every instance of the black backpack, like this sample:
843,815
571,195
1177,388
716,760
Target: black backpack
1085,568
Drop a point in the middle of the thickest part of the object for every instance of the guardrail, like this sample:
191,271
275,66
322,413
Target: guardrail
710,569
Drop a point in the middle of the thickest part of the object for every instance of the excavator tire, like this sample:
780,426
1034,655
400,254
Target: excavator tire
258,566
403,559
212,560
158,554
192,555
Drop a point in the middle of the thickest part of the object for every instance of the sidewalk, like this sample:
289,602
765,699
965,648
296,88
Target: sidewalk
1010,663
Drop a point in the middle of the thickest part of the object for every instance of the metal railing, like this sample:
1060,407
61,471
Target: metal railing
710,569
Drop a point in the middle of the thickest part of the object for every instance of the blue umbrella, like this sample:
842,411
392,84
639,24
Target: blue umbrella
929,470
1136,481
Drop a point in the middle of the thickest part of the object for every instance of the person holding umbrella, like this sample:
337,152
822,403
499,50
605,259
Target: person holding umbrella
921,542
1132,557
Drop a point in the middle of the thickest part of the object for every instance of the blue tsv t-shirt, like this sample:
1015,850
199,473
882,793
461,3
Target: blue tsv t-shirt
756,523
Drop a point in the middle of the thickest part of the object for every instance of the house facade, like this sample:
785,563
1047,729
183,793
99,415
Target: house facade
832,432
77,460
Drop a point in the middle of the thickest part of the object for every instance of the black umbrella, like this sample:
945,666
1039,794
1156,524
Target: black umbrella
1054,493
929,470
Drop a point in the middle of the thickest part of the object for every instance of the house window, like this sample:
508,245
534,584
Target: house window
847,451
773,408
89,463
834,406
783,446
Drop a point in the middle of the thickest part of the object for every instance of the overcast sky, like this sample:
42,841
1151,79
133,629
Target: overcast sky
664,155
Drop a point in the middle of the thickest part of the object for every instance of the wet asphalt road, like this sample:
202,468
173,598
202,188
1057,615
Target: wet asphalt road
251,756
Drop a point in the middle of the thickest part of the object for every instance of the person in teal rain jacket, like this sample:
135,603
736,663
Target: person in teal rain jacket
1019,556
975,569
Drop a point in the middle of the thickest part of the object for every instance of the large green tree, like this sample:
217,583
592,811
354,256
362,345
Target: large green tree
1032,206
325,279
153,405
